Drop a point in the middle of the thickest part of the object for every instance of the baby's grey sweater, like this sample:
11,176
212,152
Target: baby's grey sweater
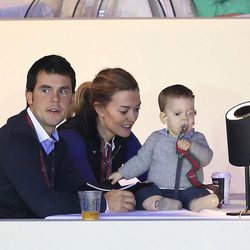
158,157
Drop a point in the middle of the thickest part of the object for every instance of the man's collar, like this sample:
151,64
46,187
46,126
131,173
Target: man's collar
41,133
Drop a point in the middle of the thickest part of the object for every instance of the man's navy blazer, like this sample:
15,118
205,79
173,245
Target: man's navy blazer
23,190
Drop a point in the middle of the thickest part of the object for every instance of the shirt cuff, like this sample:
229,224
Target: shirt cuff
107,205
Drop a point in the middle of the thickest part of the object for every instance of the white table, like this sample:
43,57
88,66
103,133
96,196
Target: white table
181,231
237,203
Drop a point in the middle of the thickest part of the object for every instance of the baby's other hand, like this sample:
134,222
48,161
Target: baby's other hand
184,144
116,176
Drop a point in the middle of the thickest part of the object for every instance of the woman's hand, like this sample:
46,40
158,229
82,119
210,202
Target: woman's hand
120,201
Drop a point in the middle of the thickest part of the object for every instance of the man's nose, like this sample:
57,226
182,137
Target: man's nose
55,97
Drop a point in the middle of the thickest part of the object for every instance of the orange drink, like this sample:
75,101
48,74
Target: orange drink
90,215
90,202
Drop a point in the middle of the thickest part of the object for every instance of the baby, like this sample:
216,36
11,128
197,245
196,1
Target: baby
160,155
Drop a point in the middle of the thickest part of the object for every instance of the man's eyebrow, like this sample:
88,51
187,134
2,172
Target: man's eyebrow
65,87
49,86
45,86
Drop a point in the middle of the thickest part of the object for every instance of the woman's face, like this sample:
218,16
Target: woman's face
119,115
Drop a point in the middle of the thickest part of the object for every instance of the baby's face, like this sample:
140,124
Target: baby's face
180,112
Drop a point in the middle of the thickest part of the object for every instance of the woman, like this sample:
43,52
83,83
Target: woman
99,135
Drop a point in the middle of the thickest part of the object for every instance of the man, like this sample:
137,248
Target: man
37,176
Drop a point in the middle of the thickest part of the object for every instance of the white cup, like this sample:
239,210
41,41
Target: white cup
223,180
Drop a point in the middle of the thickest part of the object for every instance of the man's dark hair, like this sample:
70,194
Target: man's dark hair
50,64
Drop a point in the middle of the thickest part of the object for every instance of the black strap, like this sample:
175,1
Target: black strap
178,176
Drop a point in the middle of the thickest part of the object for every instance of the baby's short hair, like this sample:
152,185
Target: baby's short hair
177,90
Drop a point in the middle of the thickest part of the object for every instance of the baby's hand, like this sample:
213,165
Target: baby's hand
184,144
116,176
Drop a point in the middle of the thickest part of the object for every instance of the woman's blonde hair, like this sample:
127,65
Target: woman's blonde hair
105,84
79,99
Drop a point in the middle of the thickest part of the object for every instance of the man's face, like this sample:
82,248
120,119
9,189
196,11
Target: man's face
51,99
